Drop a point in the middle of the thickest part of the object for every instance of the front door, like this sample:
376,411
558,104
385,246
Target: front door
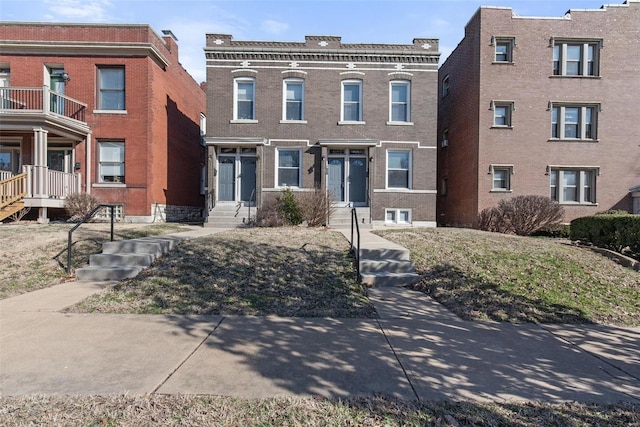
335,181
226,178
57,85
248,179
358,181
59,160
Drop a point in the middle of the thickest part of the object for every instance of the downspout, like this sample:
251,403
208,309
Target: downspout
88,163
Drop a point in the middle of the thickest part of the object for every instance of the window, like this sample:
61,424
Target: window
501,177
574,122
398,169
111,94
244,99
573,185
111,161
445,138
398,216
502,113
293,100
572,58
503,49
400,106
352,101
288,168
445,86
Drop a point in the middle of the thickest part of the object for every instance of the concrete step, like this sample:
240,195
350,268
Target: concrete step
148,245
378,254
384,279
223,223
386,266
123,260
99,274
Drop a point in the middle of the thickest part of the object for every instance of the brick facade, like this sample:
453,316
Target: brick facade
603,155
160,124
357,148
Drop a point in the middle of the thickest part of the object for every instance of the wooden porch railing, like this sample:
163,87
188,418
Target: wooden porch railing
13,189
44,182
41,99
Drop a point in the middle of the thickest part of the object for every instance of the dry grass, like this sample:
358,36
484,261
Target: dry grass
292,272
34,255
480,275
365,411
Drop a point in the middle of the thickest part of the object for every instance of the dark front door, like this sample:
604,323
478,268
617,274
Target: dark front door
248,179
226,178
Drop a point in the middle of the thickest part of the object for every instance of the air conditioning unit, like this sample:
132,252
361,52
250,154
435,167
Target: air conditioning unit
444,143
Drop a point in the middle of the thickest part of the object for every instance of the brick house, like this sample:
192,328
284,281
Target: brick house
104,109
357,121
544,106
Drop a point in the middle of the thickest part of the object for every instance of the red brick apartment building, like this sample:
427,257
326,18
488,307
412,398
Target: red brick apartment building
546,106
101,109
358,121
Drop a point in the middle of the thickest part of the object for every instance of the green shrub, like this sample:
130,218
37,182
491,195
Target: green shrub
288,206
616,231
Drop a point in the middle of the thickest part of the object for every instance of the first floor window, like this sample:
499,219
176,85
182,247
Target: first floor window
111,161
244,99
573,185
501,178
574,122
288,168
398,169
111,88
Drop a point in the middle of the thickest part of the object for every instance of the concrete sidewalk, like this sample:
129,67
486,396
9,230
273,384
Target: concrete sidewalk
415,349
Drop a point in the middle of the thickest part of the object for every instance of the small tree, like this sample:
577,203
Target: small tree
316,207
521,215
288,207
78,205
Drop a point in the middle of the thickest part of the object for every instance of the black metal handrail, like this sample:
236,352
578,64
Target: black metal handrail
251,198
82,221
355,249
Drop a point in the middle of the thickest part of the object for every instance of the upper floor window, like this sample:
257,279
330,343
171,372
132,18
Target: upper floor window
445,86
351,101
572,58
111,90
400,101
501,177
503,49
574,122
502,113
573,185
244,99
399,169
111,161
445,138
293,100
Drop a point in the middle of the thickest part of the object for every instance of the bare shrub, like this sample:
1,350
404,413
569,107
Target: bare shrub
521,215
269,214
78,205
17,217
316,207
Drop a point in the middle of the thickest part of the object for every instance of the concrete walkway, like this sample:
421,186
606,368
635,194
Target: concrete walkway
415,349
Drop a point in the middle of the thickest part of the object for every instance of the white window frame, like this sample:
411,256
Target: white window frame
102,90
409,170
396,214
407,103
561,58
498,41
559,122
360,85
586,178
509,107
101,162
278,167
285,100
508,171
236,82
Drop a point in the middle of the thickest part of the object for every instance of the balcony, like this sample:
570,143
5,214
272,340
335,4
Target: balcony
25,101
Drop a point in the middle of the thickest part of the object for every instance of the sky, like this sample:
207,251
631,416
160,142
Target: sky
356,21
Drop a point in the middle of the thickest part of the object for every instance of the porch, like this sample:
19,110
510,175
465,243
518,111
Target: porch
40,130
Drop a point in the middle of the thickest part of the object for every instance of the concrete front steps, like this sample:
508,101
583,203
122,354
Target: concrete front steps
126,258
229,216
384,263
341,217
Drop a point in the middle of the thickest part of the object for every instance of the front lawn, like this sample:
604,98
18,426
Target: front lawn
481,275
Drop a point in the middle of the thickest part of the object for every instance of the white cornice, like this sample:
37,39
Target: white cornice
8,47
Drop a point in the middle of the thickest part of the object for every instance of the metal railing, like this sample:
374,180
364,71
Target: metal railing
355,249
251,198
42,100
82,221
